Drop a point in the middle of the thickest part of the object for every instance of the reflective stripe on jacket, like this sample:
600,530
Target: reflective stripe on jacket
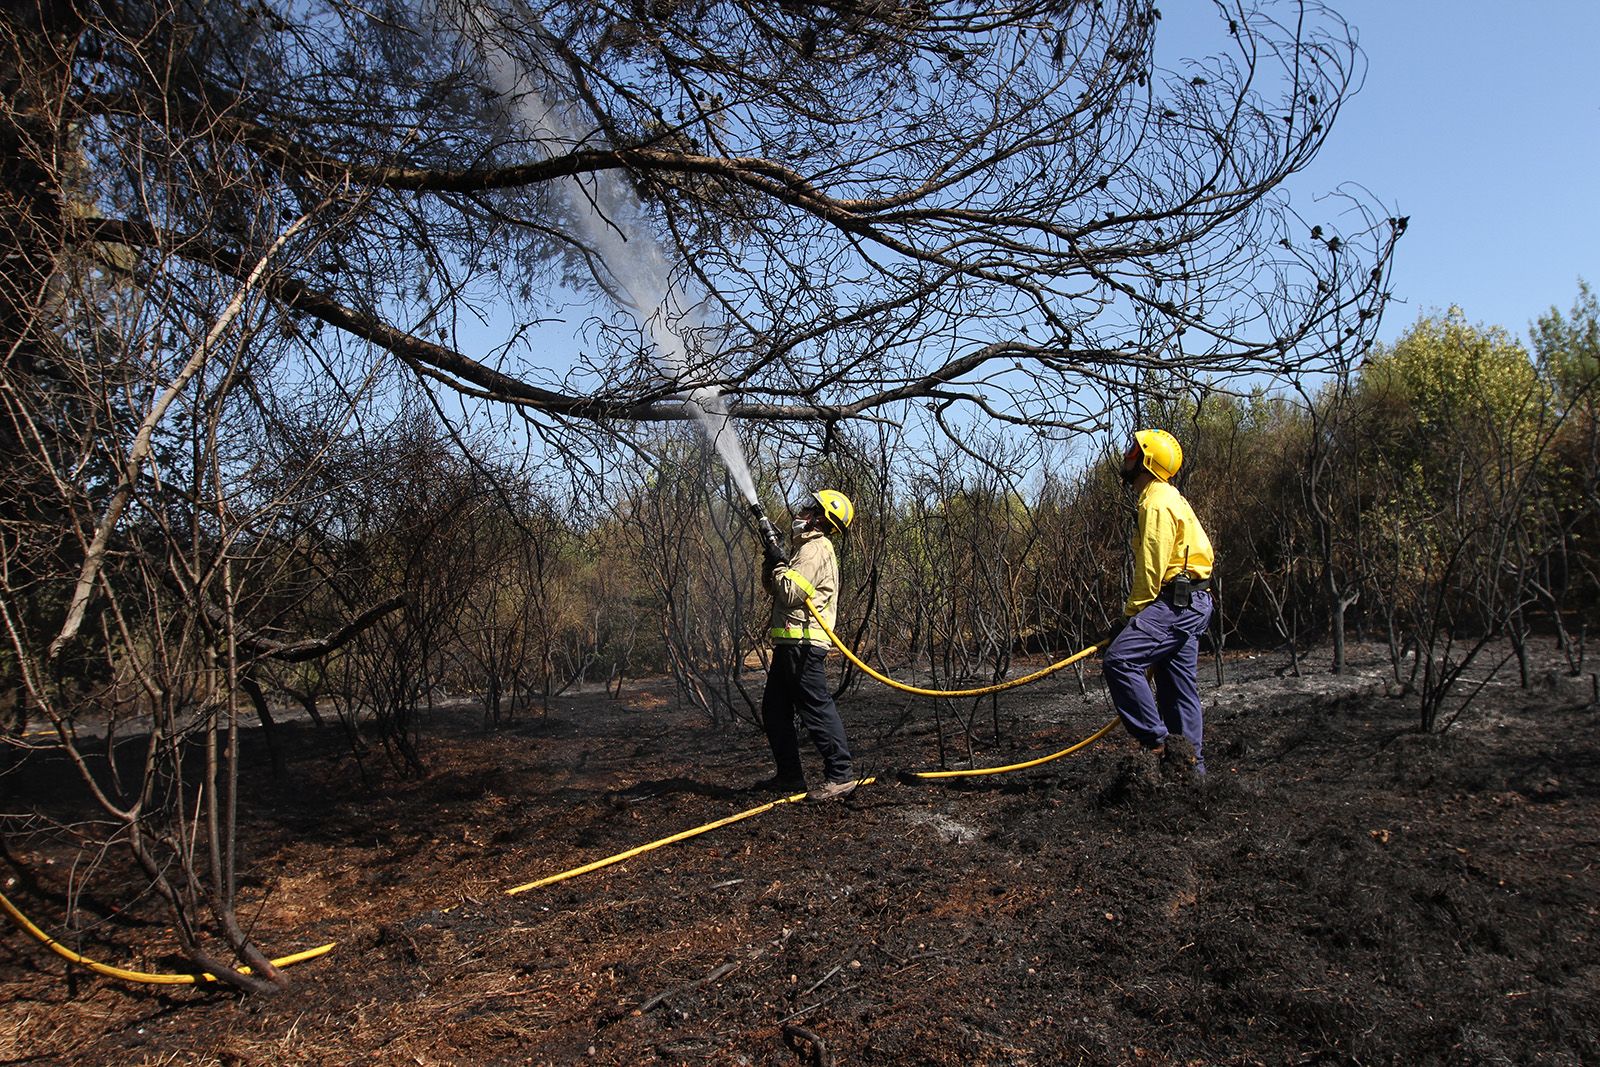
1168,540
813,571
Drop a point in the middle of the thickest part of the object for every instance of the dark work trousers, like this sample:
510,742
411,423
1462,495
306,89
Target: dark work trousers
1166,640
798,684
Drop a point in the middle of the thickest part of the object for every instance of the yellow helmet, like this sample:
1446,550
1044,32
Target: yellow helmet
1162,454
837,507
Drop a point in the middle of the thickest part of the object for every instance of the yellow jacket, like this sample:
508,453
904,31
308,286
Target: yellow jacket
1168,539
813,571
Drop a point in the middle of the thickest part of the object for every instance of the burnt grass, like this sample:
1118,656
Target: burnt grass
1338,890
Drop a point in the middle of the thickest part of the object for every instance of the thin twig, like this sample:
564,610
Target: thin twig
819,981
720,972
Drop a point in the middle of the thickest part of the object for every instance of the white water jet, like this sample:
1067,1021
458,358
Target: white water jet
608,218
709,408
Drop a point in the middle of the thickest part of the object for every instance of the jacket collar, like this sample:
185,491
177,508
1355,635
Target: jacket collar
1156,486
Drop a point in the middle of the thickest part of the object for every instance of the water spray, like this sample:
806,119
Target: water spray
629,262
709,408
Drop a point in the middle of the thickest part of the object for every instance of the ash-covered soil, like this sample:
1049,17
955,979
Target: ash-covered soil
1338,890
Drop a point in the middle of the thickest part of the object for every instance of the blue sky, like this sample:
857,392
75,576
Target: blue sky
1481,121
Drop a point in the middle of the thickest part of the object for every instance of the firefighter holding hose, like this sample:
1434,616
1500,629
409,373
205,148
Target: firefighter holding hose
797,683
1168,608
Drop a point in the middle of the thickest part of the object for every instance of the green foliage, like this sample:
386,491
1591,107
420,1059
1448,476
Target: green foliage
1448,419
1443,386
1567,347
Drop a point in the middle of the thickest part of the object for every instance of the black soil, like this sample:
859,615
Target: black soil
1338,889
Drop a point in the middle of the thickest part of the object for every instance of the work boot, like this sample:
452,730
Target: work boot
832,790
779,784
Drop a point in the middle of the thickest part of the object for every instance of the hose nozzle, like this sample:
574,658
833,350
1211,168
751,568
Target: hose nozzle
769,533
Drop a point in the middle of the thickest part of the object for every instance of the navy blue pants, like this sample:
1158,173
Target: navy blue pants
797,684
1167,641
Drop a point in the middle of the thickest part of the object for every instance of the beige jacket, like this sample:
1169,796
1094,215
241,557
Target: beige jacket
812,563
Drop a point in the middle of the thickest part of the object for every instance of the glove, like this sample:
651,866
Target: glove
772,557
1116,628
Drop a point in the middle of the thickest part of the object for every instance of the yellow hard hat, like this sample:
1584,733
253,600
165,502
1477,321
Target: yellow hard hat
1162,454
837,507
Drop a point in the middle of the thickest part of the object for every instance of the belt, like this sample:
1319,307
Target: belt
1196,585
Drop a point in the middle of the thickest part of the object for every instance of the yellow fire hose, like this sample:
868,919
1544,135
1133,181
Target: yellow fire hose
985,690
974,772
653,845
145,977
759,809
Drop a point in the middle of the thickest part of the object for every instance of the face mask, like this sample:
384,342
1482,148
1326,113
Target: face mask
799,526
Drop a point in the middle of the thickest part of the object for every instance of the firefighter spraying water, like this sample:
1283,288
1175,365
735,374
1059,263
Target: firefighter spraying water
800,583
